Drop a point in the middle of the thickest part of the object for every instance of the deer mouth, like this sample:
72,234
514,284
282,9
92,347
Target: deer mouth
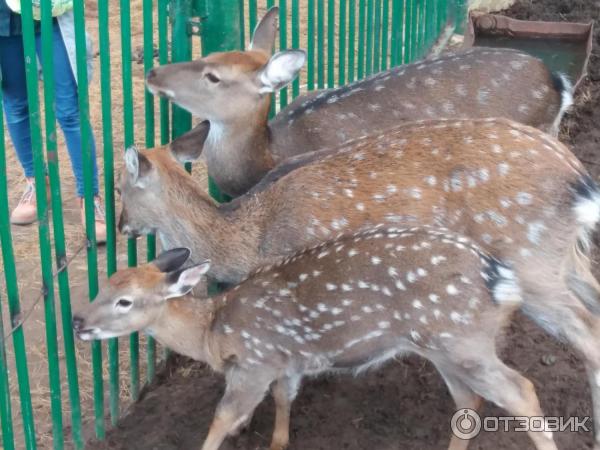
88,334
163,93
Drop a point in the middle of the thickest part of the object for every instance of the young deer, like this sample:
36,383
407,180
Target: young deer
346,305
233,90
520,193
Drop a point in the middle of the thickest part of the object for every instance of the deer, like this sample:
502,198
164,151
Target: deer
233,90
346,305
517,191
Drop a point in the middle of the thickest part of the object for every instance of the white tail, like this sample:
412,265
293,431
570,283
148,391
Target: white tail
346,305
233,90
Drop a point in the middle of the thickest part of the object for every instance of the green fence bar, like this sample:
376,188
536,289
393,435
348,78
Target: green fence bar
43,223
385,38
5,401
377,37
8,440
149,137
163,58
90,232
58,228
360,71
320,44
310,46
370,33
129,139
331,43
351,39
14,306
219,30
296,42
109,185
342,44
270,4
408,31
283,93
252,16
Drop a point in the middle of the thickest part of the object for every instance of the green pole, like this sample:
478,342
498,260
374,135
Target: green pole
351,39
59,234
8,440
109,185
310,65
92,251
296,42
149,124
129,138
5,400
163,58
14,306
220,31
31,72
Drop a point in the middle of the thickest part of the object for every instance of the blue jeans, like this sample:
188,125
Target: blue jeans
14,91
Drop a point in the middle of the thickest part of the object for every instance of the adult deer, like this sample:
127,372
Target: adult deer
520,193
233,90
350,304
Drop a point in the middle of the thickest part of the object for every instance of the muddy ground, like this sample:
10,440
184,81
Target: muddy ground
405,405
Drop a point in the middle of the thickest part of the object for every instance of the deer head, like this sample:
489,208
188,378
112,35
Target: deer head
134,298
219,86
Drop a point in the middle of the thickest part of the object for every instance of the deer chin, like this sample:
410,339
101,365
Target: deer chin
164,93
91,334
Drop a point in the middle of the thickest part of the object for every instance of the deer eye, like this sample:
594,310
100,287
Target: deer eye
212,77
123,304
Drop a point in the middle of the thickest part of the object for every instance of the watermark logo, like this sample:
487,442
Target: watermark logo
466,424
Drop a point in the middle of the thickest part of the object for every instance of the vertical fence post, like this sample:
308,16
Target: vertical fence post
14,306
149,138
31,71
109,184
59,233
5,399
220,32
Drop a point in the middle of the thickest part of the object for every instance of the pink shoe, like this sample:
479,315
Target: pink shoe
100,217
26,211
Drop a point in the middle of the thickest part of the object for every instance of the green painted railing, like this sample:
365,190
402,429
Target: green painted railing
345,40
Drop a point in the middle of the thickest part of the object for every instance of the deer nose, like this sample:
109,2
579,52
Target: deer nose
78,323
150,75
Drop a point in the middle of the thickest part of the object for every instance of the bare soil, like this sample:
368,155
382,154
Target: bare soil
405,404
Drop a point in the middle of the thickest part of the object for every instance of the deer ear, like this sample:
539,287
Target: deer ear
188,147
281,69
183,281
264,34
138,166
172,259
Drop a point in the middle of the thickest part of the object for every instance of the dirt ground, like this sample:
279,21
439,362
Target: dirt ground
405,404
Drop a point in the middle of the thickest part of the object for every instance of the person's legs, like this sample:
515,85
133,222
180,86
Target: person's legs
67,111
14,100
67,115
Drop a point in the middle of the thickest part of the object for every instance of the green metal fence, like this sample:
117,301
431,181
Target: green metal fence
346,40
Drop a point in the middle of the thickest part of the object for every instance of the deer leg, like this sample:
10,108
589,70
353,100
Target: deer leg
284,392
241,397
510,390
464,398
570,320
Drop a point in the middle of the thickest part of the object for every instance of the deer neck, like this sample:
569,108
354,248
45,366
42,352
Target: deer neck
192,220
239,148
184,325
